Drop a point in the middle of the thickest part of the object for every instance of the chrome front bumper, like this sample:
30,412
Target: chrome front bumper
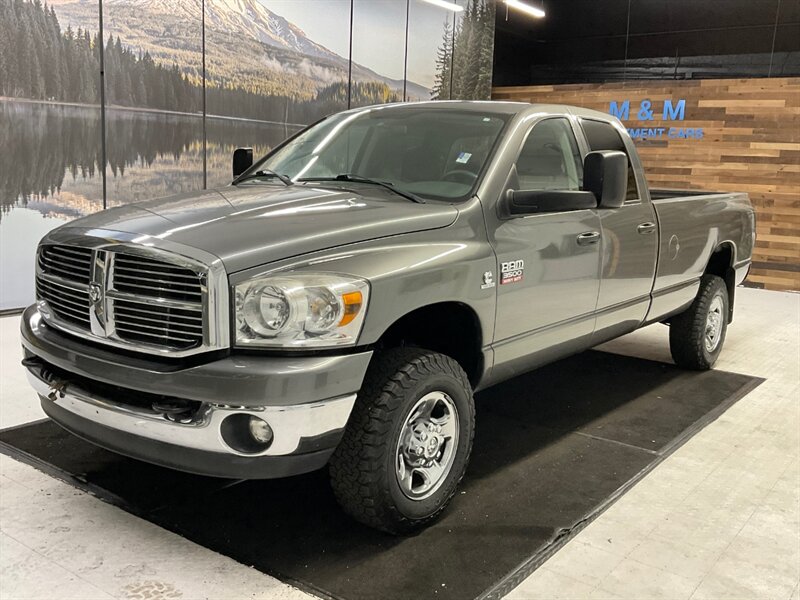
293,426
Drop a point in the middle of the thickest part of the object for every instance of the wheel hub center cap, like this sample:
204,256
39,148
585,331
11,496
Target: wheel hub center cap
433,446
714,324
424,442
427,445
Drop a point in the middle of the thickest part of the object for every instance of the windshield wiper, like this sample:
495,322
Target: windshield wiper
358,179
266,173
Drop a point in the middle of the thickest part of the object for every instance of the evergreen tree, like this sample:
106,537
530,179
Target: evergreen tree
37,80
483,88
444,64
5,19
23,49
461,48
111,70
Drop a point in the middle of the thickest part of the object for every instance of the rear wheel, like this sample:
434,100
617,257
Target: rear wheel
408,441
696,335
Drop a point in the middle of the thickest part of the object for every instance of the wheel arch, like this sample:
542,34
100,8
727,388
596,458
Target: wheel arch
721,263
452,328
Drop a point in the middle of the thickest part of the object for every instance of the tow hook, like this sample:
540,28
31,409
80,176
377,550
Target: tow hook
177,411
58,386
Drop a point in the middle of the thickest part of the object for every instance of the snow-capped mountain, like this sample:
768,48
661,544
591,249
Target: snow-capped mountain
263,24
244,17
243,39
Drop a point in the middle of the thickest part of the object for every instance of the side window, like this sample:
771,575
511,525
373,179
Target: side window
603,136
549,159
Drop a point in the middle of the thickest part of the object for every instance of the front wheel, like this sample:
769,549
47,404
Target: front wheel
408,441
697,334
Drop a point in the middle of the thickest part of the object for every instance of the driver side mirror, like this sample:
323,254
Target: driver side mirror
605,174
242,160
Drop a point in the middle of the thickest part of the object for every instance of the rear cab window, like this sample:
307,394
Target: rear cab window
603,136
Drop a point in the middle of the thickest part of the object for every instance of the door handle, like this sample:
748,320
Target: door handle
588,238
646,228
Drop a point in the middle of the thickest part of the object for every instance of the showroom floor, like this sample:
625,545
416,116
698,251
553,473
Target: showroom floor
720,518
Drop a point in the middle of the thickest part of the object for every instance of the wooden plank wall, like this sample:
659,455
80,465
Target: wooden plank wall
750,143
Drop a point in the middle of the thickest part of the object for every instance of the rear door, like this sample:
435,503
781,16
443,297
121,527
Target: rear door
630,242
548,264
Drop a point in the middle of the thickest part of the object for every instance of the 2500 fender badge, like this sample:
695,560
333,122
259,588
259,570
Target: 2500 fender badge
511,271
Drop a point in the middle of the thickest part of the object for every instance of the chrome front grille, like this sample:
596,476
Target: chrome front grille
65,265
166,325
127,296
158,302
74,264
66,302
156,279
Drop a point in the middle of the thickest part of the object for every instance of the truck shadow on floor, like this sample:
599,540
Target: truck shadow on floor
551,448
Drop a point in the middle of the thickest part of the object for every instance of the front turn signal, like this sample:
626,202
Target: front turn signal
352,304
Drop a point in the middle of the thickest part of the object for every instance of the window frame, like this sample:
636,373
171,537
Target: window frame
575,136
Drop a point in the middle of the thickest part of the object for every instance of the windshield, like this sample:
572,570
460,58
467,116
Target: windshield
427,152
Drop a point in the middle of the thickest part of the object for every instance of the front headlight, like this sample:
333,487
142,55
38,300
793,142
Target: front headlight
300,310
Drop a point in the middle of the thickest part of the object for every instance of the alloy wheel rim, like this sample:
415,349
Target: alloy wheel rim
427,446
714,324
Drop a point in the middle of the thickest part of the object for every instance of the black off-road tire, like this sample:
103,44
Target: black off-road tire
687,330
362,469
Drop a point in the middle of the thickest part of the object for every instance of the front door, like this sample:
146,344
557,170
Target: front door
548,264
629,247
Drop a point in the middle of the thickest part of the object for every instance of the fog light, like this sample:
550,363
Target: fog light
260,430
246,433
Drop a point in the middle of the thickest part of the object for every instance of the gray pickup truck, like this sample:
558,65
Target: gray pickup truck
343,299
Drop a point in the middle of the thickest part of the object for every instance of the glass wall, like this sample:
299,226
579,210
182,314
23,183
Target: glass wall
378,58
450,53
430,50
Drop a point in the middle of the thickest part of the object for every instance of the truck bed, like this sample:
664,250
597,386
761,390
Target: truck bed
693,224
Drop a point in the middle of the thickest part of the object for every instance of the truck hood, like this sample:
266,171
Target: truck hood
254,224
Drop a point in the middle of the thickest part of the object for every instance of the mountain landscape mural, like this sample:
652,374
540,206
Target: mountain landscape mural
251,52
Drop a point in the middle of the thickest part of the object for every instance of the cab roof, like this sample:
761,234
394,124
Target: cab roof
504,107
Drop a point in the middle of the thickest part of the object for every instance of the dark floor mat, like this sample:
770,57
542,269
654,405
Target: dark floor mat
553,448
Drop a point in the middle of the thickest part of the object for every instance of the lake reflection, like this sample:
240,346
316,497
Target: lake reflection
50,169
